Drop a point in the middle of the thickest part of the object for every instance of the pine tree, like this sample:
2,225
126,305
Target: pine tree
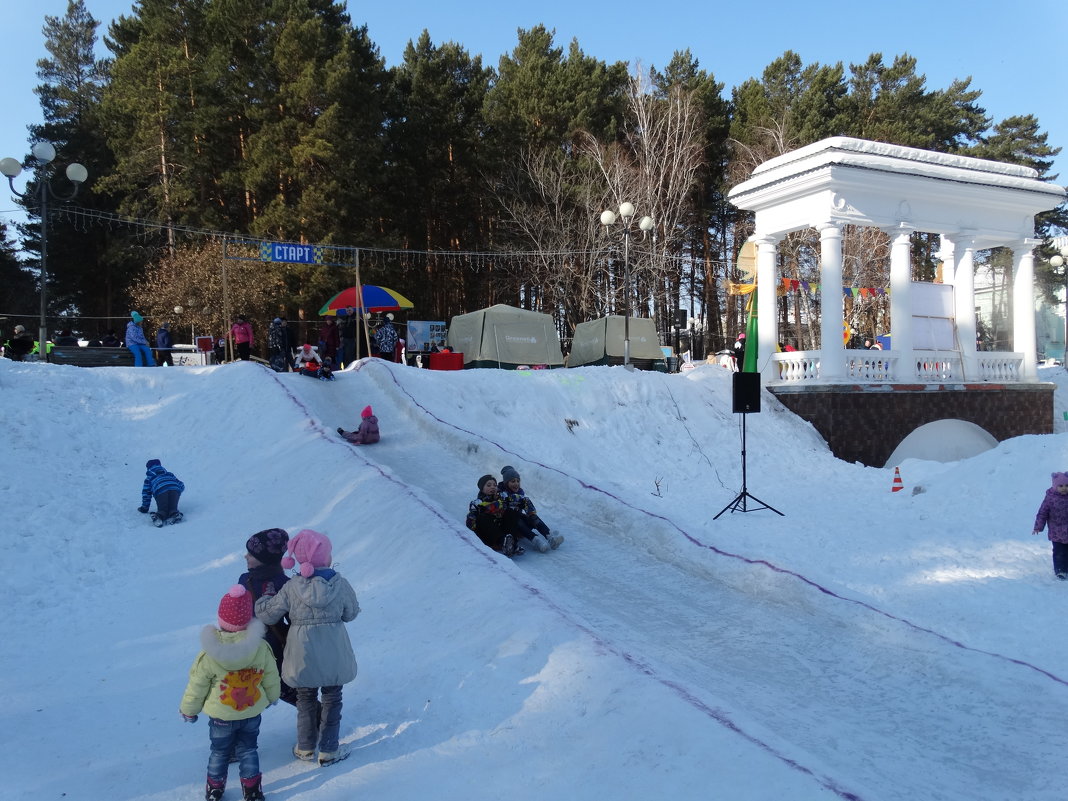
437,164
84,273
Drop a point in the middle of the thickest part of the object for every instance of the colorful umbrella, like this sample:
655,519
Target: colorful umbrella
376,299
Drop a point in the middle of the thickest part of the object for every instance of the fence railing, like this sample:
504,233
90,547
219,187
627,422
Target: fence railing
915,367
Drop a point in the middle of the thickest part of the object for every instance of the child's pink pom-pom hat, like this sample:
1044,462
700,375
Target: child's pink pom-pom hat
366,412
235,609
311,549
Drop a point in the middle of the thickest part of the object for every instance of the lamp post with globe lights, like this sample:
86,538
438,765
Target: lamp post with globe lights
1059,260
44,153
608,219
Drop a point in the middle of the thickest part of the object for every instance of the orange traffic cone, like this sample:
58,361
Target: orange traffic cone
897,486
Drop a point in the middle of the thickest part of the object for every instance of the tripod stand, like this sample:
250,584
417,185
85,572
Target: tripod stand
740,504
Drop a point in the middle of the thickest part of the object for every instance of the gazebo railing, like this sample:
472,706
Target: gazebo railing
887,366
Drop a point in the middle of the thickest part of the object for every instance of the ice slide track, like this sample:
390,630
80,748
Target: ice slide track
821,704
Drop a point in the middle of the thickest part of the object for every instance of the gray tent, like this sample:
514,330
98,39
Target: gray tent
601,342
507,337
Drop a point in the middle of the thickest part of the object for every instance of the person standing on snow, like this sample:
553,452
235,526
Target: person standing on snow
386,339
277,352
263,557
136,342
233,679
241,331
1054,513
164,344
318,653
738,352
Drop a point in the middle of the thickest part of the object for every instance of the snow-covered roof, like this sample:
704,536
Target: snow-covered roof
874,183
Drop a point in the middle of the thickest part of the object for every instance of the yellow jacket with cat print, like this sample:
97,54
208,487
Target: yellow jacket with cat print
234,677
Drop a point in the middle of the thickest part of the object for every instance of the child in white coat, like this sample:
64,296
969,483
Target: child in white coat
318,654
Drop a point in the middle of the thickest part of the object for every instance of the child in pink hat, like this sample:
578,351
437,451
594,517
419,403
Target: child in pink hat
233,679
318,654
367,433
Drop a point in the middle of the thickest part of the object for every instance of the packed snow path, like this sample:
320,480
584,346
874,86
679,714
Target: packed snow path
830,686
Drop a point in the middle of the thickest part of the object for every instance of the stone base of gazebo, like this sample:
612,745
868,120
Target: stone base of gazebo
866,422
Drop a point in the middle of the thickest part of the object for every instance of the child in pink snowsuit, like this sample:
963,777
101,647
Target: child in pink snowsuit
367,433
1054,513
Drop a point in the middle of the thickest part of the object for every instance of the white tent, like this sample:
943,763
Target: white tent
507,337
601,342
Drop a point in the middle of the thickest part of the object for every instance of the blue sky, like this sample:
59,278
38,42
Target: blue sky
1019,63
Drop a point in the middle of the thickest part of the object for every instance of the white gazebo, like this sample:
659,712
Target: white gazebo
973,204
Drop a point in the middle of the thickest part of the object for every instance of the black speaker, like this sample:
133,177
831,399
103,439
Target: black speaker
746,393
680,318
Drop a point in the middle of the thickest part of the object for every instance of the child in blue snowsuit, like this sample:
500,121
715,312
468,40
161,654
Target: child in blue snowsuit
165,487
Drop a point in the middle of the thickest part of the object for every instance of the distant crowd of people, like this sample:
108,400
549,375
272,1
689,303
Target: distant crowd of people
339,341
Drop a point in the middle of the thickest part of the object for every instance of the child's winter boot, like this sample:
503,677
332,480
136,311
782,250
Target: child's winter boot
330,757
539,542
214,790
556,539
508,545
251,788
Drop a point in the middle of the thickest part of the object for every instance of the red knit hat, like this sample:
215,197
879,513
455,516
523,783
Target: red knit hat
366,412
311,549
235,609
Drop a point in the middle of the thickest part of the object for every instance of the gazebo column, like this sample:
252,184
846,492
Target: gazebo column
945,253
1023,307
767,319
832,356
901,339
964,305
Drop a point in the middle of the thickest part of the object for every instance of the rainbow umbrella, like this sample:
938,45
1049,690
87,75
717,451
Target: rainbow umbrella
376,299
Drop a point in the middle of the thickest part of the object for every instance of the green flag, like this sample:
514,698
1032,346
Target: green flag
749,363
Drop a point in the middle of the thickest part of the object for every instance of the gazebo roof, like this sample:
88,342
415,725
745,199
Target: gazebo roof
853,181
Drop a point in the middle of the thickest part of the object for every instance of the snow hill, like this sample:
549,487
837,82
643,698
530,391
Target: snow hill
864,645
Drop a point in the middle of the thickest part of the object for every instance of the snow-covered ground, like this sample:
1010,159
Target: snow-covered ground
864,645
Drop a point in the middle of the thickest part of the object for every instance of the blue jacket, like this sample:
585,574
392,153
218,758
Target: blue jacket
135,335
158,480
164,338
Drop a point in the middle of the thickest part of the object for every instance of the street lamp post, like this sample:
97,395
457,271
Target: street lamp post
1057,261
608,218
43,154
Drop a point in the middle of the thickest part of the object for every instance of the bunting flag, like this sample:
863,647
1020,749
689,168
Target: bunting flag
793,285
739,289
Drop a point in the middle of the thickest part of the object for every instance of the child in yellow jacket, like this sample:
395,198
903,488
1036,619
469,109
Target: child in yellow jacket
233,679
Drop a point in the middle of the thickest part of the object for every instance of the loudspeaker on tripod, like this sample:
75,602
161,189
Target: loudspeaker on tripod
746,393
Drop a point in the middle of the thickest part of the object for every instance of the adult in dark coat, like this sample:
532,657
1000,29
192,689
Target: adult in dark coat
276,346
20,344
347,320
164,343
738,352
363,349
329,339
